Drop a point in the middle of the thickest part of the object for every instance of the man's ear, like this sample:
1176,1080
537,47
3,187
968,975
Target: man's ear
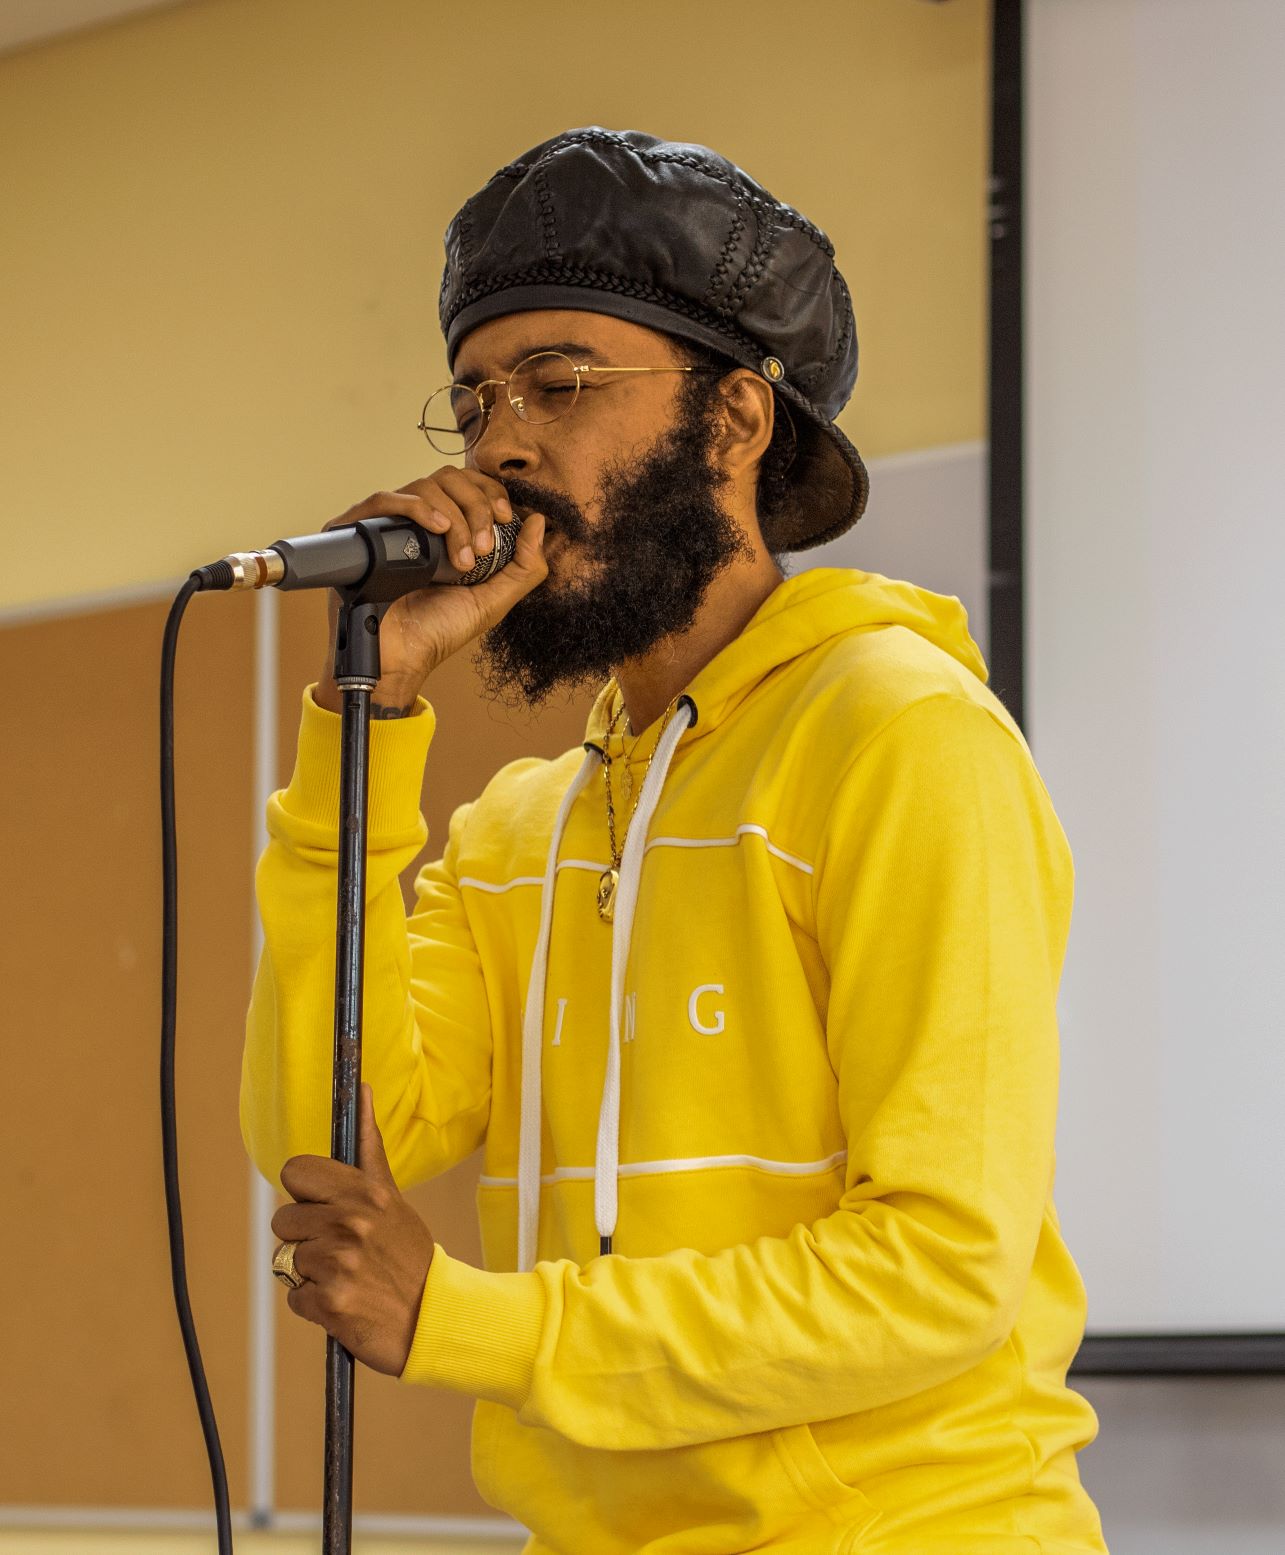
745,419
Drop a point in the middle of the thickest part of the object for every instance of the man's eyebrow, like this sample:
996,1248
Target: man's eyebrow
573,348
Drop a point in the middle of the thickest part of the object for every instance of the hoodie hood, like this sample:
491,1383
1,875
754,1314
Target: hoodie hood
799,614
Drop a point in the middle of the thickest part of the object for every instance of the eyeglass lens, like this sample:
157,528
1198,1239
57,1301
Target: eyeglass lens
541,388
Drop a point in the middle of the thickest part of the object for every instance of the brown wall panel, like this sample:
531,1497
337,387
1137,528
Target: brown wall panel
97,1404
474,737
412,1444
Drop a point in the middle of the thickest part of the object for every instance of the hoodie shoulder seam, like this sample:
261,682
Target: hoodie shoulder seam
932,696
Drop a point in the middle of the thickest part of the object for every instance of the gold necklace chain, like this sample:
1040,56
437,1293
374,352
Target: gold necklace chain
610,877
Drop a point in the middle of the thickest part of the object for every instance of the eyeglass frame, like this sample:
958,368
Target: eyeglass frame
503,383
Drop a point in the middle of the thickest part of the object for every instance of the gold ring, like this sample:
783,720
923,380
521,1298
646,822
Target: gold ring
283,1265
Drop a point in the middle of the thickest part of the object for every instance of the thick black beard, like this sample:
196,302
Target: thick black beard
662,540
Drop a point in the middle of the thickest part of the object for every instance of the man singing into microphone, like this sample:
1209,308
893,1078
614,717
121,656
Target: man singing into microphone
750,1001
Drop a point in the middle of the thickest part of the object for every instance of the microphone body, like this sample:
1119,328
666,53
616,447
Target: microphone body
384,557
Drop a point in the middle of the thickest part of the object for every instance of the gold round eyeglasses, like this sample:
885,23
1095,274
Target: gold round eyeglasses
540,388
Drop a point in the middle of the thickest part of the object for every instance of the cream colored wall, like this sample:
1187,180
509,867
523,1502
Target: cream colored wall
223,234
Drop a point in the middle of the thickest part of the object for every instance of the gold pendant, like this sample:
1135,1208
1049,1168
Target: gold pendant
607,893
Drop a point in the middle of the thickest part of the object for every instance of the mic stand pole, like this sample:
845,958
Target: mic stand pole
356,674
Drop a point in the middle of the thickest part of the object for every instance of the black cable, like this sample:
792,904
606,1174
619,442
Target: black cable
205,577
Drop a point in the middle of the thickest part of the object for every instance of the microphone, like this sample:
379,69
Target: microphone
384,557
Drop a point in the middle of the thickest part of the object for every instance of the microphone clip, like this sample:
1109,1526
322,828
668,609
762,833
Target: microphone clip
356,664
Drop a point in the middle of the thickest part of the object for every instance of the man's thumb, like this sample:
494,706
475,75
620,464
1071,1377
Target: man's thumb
371,1156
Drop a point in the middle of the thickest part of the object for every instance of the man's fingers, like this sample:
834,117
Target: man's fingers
426,627
529,552
381,504
301,1222
463,506
315,1179
371,1156
303,1302
525,571
482,508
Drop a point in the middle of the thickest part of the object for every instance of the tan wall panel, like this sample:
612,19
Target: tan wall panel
411,1444
224,230
97,1406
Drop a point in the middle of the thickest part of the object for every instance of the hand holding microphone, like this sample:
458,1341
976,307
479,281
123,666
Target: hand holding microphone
422,629
426,625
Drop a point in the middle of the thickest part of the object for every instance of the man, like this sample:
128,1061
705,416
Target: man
750,1002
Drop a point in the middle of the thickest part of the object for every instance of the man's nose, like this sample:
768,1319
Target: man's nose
507,442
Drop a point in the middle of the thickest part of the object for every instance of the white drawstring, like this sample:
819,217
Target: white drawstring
607,1156
529,1127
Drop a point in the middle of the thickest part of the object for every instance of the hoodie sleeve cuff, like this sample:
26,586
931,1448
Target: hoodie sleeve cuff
398,752
477,1332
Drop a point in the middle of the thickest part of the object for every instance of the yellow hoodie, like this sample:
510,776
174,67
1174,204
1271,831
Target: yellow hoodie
806,1084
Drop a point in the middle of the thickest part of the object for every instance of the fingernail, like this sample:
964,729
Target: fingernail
503,506
484,540
439,518
467,559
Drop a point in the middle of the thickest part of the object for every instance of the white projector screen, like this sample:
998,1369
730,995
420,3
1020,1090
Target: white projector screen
1155,647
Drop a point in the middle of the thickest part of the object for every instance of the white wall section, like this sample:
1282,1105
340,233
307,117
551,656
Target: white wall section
1156,671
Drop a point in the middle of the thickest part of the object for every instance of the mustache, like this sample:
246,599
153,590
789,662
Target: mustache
560,512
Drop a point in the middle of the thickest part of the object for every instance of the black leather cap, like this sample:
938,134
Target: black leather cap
677,238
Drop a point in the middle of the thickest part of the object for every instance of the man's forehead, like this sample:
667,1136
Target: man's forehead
500,344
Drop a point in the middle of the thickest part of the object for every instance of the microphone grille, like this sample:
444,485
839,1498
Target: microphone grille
500,555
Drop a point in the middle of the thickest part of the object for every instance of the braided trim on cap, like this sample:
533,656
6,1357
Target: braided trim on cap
466,240
462,226
719,276
563,274
752,270
789,217
513,170
548,217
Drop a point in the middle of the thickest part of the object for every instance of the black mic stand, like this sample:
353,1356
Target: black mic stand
356,674
398,563
393,556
